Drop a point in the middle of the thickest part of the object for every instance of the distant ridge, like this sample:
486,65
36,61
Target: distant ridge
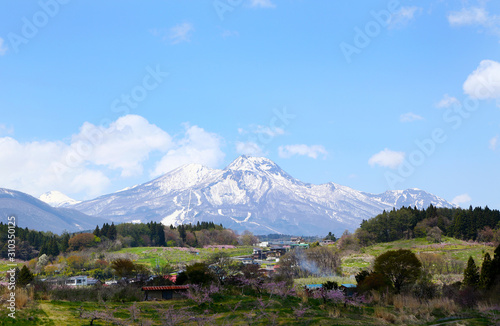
251,193
38,215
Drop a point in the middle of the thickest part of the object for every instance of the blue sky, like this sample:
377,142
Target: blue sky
97,96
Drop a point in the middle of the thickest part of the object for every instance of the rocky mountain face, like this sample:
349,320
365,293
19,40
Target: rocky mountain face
252,193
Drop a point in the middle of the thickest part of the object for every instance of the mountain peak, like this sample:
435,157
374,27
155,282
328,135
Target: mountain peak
57,199
253,164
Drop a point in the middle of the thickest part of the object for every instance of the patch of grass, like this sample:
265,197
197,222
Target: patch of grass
151,255
4,265
449,248
301,282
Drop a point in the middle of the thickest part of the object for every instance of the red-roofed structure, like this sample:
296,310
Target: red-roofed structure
164,292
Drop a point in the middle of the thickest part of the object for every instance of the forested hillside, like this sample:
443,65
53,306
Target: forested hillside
481,224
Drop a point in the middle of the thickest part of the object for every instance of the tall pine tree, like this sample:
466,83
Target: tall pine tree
471,274
485,275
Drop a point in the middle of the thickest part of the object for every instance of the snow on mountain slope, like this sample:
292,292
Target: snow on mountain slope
57,199
251,193
38,215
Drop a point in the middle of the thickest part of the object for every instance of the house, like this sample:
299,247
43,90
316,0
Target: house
277,252
258,253
246,260
79,280
92,281
326,242
348,289
166,292
300,246
314,286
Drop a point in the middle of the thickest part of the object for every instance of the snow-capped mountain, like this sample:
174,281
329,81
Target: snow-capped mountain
251,193
57,199
38,215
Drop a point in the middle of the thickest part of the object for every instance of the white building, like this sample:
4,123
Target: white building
77,280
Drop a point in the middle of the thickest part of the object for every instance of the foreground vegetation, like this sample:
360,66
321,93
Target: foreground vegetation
423,275
231,308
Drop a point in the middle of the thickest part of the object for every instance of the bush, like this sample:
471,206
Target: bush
424,288
467,297
125,293
374,281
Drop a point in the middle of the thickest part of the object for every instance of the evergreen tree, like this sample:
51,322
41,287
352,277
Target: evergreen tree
471,274
64,242
495,267
182,232
485,276
161,235
97,232
111,233
105,229
25,276
53,248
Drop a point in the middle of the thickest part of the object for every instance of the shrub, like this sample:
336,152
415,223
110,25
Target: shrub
374,281
400,267
467,297
24,277
424,288
127,294
23,296
81,240
123,293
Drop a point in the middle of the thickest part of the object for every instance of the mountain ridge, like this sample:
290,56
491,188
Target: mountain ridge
251,193
35,214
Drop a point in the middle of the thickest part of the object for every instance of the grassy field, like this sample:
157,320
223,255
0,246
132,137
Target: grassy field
4,265
151,255
449,249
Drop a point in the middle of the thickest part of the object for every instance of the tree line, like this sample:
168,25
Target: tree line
479,224
31,243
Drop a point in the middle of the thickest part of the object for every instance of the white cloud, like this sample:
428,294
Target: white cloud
476,16
262,4
312,151
272,132
84,164
124,145
468,16
494,143
181,33
403,17
3,48
96,181
409,117
263,130
461,199
197,146
249,148
387,158
447,101
484,82
36,167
